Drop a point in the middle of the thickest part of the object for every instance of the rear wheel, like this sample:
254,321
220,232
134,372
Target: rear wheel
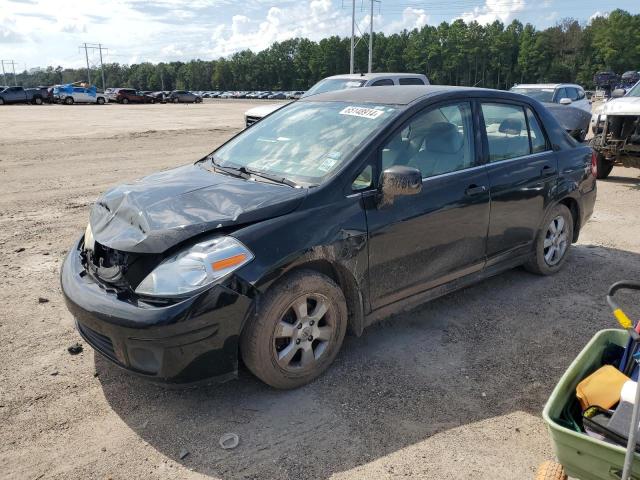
37,100
553,242
125,100
551,471
296,330
100,101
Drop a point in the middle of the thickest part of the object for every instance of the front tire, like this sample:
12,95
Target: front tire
603,165
100,101
296,330
37,101
553,242
68,101
125,101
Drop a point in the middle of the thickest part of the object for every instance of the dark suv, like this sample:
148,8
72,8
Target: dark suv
129,95
327,215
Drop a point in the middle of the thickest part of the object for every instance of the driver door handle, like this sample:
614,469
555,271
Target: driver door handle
475,190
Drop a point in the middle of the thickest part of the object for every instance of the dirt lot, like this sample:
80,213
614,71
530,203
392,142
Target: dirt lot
451,390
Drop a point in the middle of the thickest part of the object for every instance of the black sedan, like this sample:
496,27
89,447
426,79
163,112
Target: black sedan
329,214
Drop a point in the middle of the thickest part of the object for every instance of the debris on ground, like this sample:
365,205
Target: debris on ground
54,373
183,453
18,250
43,300
75,349
229,441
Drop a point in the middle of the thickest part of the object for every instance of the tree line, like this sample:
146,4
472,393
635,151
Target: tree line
456,53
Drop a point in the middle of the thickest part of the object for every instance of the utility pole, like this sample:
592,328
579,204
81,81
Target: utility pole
100,48
4,75
13,67
371,38
86,54
353,33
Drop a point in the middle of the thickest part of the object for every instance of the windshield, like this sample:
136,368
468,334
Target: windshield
332,84
540,94
304,141
635,91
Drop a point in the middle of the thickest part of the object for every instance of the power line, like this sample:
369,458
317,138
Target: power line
100,48
13,66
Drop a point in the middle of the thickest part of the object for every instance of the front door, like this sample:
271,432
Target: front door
424,240
523,172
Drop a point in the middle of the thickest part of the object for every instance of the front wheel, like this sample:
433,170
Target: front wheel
296,330
68,101
100,101
37,101
1,101
603,166
553,242
125,100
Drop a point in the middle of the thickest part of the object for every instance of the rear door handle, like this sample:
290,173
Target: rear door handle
475,190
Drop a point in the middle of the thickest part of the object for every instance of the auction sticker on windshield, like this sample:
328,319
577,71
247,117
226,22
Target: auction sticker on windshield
370,113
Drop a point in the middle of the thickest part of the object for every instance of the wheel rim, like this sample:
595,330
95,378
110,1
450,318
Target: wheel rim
304,333
555,241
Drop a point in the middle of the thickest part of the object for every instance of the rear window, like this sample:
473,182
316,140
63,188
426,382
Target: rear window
411,81
385,82
332,84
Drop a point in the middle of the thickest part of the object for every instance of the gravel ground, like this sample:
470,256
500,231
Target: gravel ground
453,389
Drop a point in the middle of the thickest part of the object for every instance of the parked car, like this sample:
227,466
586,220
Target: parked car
21,95
562,93
325,217
340,82
78,93
277,96
629,79
130,95
182,96
606,80
295,95
617,131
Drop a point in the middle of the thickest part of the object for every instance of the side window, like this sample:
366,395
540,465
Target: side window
382,83
436,141
581,94
572,93
506,131
560,94
363,180
410,81
538,140
78,90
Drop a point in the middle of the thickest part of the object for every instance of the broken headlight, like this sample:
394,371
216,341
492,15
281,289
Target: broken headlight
195,268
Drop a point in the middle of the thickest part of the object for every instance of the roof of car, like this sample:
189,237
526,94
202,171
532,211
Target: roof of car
391,95
371,76
546,85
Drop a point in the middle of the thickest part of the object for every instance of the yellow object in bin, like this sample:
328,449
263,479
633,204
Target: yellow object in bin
602,388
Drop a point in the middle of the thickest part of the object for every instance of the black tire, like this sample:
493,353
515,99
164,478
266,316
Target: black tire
37,100
152,101
125,101
100,101
1,101
198,100
176,100
544,260
260,345
68,101
603,165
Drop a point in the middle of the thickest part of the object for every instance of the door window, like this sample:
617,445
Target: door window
510,134
572,93
382,83
560,94
410,81
363,180
436,141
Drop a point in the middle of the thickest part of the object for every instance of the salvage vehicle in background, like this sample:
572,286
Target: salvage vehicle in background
182,96
562,93
78,92
327,216
21,95
131,95
617,131
339,82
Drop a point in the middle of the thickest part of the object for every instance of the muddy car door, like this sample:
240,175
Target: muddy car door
438,235
523,172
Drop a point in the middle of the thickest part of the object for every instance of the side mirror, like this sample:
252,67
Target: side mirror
399,180
565,101
618,92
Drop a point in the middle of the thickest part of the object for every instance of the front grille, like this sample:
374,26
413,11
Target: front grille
250,120
100,342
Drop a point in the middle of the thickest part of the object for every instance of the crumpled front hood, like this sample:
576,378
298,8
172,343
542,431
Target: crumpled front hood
166,208
622,106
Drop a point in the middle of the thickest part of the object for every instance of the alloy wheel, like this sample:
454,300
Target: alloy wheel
304,332
555,241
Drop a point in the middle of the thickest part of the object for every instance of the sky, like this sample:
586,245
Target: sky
49,32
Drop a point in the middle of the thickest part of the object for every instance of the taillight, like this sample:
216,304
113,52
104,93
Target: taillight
594,164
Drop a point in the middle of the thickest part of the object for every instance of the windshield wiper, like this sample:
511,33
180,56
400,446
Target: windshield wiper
234,172
268,176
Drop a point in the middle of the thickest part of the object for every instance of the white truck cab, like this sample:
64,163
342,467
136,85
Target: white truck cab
341,82
562,93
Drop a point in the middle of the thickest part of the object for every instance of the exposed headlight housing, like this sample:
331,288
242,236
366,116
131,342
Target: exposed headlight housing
195,268
89,241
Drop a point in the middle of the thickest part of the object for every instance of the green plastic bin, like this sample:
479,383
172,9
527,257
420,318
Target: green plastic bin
582,456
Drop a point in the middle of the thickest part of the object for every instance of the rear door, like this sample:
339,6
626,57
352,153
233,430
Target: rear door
523,173
425,240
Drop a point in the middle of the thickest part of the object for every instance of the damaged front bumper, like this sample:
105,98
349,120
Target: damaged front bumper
183,342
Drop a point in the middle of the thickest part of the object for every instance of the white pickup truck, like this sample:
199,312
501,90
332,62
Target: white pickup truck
340,82
616,128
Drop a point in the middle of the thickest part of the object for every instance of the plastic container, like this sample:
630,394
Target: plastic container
584,457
